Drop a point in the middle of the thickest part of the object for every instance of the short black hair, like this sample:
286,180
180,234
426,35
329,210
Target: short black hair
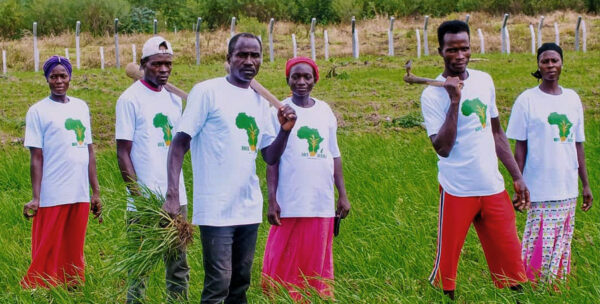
235,38
452,27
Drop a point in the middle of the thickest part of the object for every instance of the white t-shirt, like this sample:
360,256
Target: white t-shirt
146,117
228,126
551,125
63,132
471,169
305,186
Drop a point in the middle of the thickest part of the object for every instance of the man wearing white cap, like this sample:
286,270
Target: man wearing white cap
145,115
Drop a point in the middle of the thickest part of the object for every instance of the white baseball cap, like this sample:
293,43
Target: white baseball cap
152,47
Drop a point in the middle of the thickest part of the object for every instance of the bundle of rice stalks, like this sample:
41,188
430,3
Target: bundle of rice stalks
152,235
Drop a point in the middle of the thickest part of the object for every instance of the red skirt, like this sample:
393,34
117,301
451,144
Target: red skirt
298,255
57,239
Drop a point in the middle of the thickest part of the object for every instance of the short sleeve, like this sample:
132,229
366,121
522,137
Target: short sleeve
433,112
334,149
34,137
125,119
518,121
579,133
493,107
88,131
268,134
199,104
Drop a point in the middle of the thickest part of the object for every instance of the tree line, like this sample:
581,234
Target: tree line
97,17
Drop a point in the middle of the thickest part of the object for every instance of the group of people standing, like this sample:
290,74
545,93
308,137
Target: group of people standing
225,123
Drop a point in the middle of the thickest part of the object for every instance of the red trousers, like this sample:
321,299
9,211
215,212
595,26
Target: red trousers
494,220
57,239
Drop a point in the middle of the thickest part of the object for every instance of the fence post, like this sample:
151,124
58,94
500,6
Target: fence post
467,18
391,37
36,54
326,38
355,51
102,58
67,53
532,38
271,49
198,23
155,27
425,39
117,42
556,34
584,35
261,49
77,51
504,36
481,41
232,30
4,62
577,33
313,52
133,54
539,32
418,43
294,44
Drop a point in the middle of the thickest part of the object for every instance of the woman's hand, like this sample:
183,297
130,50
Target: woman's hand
30,209
273,215
588,198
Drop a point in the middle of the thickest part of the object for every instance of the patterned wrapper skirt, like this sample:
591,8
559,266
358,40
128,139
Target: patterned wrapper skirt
298,256
57,239
546,249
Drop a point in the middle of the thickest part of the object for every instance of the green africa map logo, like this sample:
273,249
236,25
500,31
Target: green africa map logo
248,123
162,121
76,126
471,106
314,140
563,124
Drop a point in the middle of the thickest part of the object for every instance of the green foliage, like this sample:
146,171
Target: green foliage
162,121
304,10
76,126
11,22
471,106
248,123
410,120
312,137
563,124
141,20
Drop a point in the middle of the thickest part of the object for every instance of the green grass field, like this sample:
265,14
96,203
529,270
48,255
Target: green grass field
386,248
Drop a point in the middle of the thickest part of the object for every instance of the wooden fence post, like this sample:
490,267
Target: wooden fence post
232,30
425,39
577,33
326,38
504,36
102,58
355,50
539,31
67,54
313,52
271,48
556,34
4,62
155,27
532,32
481,41
117,42
467,18
36,54
133,54
418,43
77,51
294,45
391,37
197,30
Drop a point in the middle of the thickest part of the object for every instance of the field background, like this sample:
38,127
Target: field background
385,251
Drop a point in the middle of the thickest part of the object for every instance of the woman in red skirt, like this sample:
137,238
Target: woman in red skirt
63,166
298,254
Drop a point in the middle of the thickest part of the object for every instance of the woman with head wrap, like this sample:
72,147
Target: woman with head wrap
547,124
301,195
63,166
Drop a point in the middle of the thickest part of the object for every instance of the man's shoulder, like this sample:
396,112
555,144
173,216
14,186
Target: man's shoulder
209,84
479,75
130,93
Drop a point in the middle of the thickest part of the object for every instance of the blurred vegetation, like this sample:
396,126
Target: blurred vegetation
136,16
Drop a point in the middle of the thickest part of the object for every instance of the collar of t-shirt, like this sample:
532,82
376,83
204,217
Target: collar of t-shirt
149,86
